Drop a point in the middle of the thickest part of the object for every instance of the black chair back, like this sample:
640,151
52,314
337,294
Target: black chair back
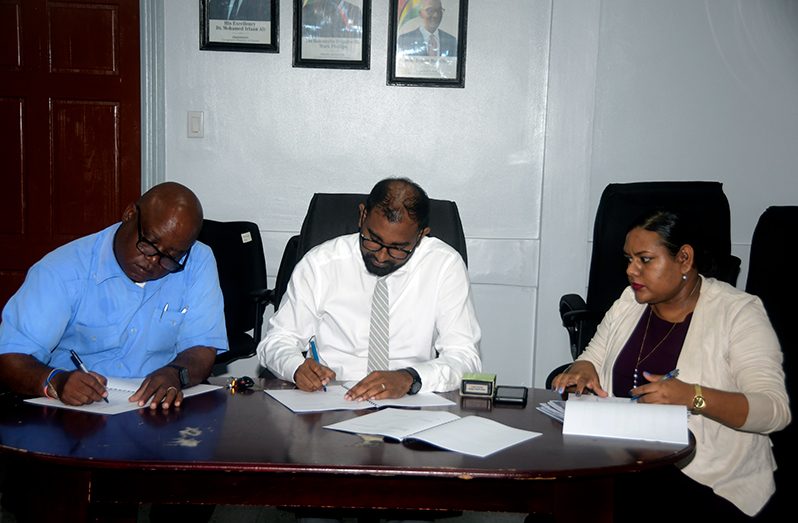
334,214
702,203
770,277
238,249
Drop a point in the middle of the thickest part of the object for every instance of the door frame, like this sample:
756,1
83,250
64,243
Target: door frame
153,95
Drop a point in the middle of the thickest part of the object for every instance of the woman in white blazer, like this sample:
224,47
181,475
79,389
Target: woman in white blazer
671,321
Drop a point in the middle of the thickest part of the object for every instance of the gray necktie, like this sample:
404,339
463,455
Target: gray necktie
379,333
432,46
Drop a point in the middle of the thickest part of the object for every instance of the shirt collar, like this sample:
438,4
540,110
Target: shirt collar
426,34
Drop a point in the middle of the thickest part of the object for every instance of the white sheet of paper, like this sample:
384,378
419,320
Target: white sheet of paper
626,419
119,390
333,399
471,435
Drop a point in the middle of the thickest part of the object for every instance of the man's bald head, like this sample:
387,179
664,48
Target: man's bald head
168,217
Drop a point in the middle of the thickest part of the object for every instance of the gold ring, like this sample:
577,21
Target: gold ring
383,386
170,388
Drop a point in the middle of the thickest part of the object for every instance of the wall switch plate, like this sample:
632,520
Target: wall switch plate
196,125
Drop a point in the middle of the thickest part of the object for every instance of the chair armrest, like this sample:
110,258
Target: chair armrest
572,309
578,320
261,297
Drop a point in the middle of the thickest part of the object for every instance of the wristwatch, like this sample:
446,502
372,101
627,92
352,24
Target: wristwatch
182,373
698,400
416,385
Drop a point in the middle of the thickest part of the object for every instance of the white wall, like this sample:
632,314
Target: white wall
561,98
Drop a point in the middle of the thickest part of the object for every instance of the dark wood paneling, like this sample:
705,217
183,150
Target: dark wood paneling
83,38
10,44
85,161
11,182
73,69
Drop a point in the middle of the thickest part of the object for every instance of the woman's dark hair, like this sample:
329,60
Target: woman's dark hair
392,195
676,230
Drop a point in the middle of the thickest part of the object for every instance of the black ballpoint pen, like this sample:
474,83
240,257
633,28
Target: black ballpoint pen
79,364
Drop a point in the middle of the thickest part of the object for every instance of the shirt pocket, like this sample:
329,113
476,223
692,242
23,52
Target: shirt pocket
93,339
164,329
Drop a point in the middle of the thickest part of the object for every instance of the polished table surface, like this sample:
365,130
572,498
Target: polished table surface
246,448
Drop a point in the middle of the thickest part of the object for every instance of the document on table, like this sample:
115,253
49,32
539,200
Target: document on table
119,390
589,415
553,409
333,399
472,435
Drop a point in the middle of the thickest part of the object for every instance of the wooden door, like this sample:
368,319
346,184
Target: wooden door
69,124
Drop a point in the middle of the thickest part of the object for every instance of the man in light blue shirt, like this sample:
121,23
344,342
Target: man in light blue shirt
138,299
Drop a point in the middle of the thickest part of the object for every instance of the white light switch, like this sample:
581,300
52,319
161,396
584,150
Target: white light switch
196,127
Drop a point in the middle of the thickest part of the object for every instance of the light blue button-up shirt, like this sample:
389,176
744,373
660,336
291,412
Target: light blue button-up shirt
77,297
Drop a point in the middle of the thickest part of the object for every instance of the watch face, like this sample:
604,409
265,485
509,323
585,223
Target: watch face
415,387
699,403
182,374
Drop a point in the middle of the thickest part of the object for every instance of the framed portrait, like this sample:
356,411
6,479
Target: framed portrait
427,42
239,25
332,33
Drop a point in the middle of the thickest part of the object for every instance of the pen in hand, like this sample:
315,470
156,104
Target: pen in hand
79,364
670,375
315,354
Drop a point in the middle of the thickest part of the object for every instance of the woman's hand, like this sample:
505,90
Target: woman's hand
661,389
578,377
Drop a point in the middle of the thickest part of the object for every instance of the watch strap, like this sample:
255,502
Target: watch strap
415,386
699,403
182,373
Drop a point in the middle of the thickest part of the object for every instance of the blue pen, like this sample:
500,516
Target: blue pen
315,354
79,364
670,375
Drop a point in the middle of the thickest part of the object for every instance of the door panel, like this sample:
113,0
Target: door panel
69,124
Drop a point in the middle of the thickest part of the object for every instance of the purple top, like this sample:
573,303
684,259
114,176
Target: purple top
655,357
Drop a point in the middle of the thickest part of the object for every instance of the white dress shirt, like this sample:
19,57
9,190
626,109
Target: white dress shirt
329,296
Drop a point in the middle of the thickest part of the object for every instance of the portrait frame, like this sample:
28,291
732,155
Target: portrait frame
255,29
410,63
325,49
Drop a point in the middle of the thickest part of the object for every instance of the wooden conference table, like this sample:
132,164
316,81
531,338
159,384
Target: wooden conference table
247,449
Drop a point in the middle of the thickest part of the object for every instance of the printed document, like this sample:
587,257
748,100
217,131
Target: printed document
589,415
119,390
333,399
472,435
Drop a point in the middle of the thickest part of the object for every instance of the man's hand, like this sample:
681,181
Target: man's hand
381,384
79,388
312,376
160,388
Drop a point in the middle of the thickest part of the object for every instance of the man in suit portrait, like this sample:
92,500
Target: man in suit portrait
257,10
331,19
428,39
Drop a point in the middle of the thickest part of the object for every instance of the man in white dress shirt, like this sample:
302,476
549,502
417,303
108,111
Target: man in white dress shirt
433,334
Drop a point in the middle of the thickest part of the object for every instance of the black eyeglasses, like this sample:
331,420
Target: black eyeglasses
396,253
147,248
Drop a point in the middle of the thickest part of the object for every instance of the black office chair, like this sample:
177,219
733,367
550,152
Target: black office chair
703,203
238,250
331,215
771,277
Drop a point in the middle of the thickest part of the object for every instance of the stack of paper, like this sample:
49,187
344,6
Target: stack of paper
553,409
588,415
